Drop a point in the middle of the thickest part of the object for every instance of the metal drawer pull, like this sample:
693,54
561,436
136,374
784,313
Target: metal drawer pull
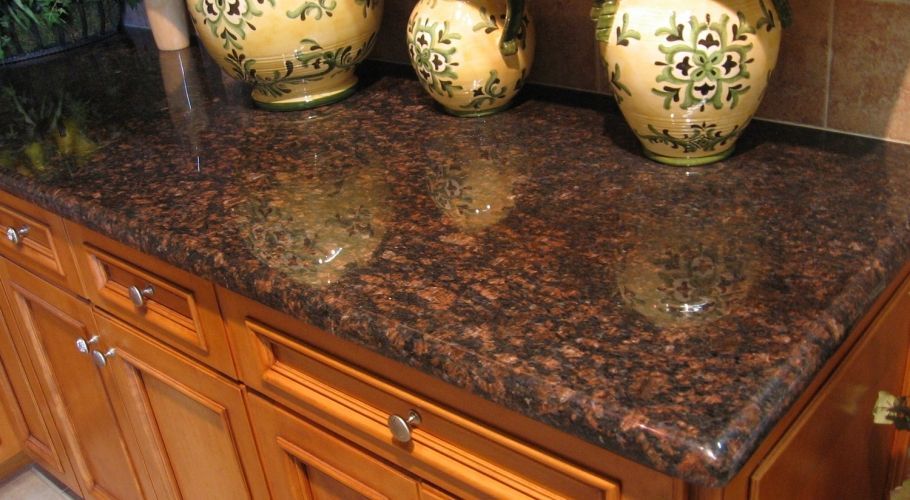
16,235
401,428
101,359
138,296
82,345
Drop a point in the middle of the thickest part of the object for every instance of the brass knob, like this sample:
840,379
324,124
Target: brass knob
15,236
138,296
401,428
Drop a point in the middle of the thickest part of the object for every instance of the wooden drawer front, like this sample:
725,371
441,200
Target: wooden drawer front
821,456
44,249
305,462
181,311
446,449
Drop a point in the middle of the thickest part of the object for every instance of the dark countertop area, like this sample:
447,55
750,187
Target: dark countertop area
532,257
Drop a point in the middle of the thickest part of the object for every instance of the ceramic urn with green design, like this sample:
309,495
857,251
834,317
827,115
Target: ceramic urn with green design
471,56
689,74
296,54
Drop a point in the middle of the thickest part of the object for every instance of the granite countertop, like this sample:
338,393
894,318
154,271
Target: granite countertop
532,257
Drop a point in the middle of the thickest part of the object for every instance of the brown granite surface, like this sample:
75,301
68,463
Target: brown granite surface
533,257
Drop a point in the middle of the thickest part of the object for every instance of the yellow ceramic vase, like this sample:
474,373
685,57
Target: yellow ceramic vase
297,54
688,74
471,56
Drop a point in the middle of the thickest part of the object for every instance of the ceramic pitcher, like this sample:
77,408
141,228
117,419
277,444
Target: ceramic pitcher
689,74
471,56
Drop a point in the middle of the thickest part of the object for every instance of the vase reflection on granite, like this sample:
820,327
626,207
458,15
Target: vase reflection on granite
471,178
696,253
676,279
314,226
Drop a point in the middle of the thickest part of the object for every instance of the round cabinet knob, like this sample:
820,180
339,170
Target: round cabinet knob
16,235
138,296
100,358
82,345
401,428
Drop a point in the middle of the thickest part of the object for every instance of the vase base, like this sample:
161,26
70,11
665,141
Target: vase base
307,100
476,114
677,161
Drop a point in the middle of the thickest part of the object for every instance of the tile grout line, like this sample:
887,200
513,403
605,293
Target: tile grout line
830,63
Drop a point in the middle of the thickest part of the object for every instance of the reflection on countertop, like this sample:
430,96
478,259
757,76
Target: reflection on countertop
532,257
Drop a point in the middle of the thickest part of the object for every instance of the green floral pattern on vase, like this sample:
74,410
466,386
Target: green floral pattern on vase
229,19
313,10
704,64
488,93
432,48
703,137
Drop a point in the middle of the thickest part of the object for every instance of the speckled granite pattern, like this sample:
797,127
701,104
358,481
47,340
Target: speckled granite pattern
533,257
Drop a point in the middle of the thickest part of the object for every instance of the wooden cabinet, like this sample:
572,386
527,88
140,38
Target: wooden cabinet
12,428
191,425
171,305
36,240
50,322
463,457
834,450
304,462
33,422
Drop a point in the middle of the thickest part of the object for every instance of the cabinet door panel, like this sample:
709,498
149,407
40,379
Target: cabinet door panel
31,415
303,461
50,321
190,424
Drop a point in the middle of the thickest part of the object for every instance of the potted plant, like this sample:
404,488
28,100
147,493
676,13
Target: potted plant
32,28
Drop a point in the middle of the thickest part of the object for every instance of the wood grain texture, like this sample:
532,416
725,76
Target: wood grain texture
182,311
191,424
33,420
50,321
45,249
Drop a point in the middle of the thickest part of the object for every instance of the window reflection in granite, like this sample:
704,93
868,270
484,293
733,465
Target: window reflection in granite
314,226
185,102
470,177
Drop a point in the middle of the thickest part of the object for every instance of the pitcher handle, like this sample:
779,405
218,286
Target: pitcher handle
508,44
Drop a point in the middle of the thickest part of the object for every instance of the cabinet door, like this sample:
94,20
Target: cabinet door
50,322
303,461
834,450
29,411
191,426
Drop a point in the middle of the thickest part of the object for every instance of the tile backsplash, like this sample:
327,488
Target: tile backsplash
844,64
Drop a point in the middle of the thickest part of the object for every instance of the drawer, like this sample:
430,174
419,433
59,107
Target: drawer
460,455
174,306
36,240
303,461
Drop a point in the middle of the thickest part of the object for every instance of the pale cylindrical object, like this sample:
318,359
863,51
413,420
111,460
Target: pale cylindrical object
167,19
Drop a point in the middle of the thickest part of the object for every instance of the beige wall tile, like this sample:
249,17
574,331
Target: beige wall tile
565,55
391,43
870,85
799,87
